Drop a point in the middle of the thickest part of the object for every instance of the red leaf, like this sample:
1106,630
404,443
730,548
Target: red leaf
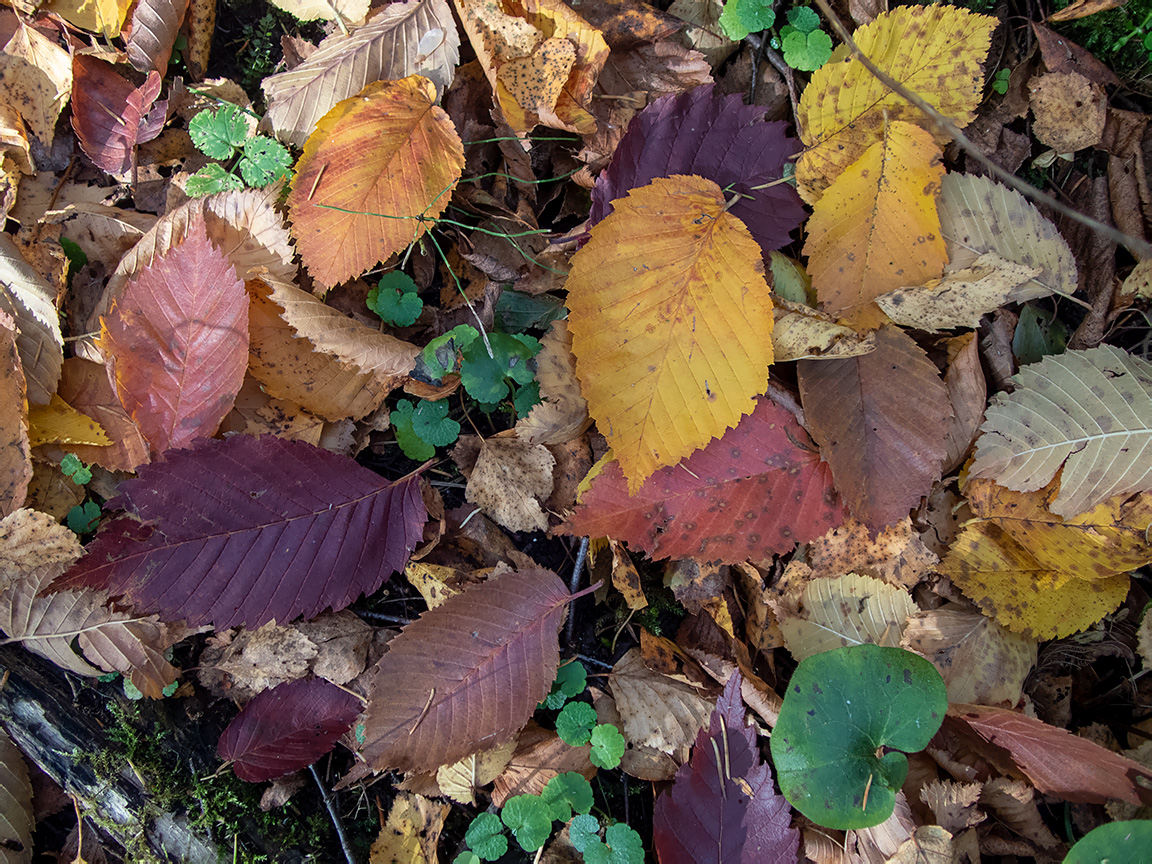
287,728
720,138
109,115
177,339
250,530
880,421
1054,760
723,805
752,493
467,675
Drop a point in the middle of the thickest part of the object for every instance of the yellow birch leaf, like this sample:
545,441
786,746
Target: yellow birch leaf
59,422
375,164
671,321
935,51
96,16
877,229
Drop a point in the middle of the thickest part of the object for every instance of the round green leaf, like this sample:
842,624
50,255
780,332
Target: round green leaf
741,17
846,715
219,133
583,830
527,817
567,793
395,299
574,723
485,836
621,845
431,422
1115,843
607,746
265,161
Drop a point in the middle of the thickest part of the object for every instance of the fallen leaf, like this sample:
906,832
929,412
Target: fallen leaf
462,780
26,297
16,466
895,555
36,75
540,755
96,16
670,319
967,393
110,116
60,423
86,387
657,710
803,333
1069,109
16,818
510,479
155,25
411,832
562,413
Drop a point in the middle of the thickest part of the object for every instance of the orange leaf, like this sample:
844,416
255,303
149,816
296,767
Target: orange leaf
177,342
876,228
376,164
670,318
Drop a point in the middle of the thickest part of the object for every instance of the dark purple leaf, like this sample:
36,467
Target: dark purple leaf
287,728
722,806
719,138
250,530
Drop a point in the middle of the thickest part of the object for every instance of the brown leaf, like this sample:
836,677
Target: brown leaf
110,115
30,301
1070,111
466,674
656,710
895,555
880,420
36,75
562,414
967,392
85,386
16,819
154,27
16,466
510,479
539,756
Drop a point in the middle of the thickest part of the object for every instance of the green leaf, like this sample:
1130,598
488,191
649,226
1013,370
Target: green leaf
395,299
431,422
439,355
571,679
516,311
803,19
575,722
741,17
1000,82
527,817
131,691
607,746
526,398
1038,334
219,133
485,837
621,845
846,715
74,469
485,377
83,519
807,52
469,857
583,830
414,447
567,793
169,689
209,180
1115,842
265,161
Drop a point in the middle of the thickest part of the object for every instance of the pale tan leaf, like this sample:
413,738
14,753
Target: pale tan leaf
895,555
349,11
257,413
959,299
36,74
979,660
461,780
657,710
562,413
105,233
509,480
34,550
803,333
399,41
411,832
953,804
1090,411
978,215
30,301
1069,109
16,819
15,449
845,610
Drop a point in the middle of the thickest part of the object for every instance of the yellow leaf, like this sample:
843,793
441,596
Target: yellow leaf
375,164
671,322
877,229
935,51
95,16
59,422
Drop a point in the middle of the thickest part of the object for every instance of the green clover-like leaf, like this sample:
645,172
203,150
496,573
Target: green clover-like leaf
75,470
803,19
527,817
485,377
807,52
583,830
567,793
265,161
485,837
431,422
209,180
608,746
741,17
83,519
414,447
219,133
575,722
526,398
621,845
395,299
439,356
467,857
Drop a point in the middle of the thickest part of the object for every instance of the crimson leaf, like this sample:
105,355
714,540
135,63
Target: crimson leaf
287,728
250,530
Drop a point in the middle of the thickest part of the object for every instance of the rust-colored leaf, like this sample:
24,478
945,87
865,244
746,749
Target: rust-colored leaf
466,675
376,167
109,115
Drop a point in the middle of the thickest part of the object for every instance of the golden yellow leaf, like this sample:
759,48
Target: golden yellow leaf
671,321
375,164
935,51
96,16
877,229
60,422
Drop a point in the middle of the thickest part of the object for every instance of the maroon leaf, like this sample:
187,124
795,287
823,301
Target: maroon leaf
719,138
287,728
755,492
722,806
250,530
467,675
109,115
881,422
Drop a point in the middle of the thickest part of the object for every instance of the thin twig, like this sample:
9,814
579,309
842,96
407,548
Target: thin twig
337,822
574,585
1139,248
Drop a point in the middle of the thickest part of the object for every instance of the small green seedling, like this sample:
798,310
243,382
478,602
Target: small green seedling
83,518
806,46
621,845
846,717
575,723
75,470
486,377
223,134
1000,81
741,17
395,299
608,746
571,679
485,837
423,427
1115,843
